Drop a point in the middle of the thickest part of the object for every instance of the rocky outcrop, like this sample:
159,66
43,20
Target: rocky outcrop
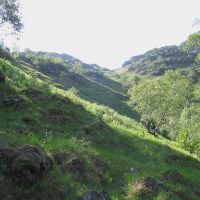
76,166
71,164
26,164
147,188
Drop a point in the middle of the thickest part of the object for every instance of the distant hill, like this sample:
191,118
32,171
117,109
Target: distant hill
70,60
93,84
156,61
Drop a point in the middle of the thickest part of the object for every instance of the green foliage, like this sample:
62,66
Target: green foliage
157,61
110,144
73,91
161,101
193,43
189,136
170,106
78,68
9,13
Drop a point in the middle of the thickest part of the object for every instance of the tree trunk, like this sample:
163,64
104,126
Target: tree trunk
161,119
2,78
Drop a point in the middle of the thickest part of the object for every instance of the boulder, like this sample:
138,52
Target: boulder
94,195
26,164
76,166
71,164
147,188
2,78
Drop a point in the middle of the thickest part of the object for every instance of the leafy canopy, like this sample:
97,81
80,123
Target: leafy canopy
9,13
161,101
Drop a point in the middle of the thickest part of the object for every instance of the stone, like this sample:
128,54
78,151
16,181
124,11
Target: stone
94,195
76,166
148,187
26,164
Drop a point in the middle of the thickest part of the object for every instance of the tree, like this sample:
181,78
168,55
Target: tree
161,101
9,13
189,134
78,68
192,46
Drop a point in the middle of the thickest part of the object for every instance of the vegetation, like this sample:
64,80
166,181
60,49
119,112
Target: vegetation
73,110
92,84
9,13
116,150
169,106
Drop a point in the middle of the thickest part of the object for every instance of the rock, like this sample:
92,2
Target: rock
7,155
93,195
76,166
12,101
27,120
26,164
72,164
174,176
2,78
148,187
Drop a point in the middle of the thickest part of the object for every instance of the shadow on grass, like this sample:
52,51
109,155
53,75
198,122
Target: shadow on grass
123,149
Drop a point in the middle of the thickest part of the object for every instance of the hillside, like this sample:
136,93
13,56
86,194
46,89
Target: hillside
115,154
156,61
92,83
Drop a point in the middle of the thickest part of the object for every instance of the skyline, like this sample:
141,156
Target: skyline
107,33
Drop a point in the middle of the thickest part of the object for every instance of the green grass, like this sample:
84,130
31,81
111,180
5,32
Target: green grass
93,132
99,89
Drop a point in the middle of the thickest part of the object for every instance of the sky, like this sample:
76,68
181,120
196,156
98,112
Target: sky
105,32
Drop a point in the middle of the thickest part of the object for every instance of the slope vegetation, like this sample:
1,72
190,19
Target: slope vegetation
118,155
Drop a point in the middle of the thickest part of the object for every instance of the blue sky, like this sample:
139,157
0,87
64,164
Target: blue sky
106,32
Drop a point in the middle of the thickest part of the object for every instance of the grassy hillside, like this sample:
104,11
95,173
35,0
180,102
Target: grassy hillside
93,85
156,61
116,150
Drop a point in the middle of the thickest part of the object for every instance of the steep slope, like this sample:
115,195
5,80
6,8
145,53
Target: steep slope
155,62
92,84
116,151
